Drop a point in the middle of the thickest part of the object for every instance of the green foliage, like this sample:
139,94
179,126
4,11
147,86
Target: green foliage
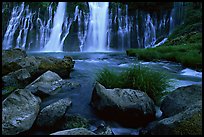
139,78
186,50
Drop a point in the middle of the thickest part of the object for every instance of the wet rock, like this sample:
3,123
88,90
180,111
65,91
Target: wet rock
74,131
18,79
73,121
49,83
130,107
181,99
188,122
50,114
182,111
19,111
8,60
59,66
103,129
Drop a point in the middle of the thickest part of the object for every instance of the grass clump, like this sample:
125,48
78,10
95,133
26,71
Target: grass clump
138,78
186,50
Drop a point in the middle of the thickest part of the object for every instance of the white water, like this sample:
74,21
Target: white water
98,27
54,43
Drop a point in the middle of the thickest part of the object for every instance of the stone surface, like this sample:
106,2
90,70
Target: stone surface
180,99
19,111
74,131
188,122
130,107
53,112
18,79
182,111
49,83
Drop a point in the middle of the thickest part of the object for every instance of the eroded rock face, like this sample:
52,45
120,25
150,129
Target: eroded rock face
130,107
181,99
53,112
74,131
19,111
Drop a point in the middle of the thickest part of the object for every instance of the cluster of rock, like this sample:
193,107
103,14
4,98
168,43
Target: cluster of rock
182,110
21,109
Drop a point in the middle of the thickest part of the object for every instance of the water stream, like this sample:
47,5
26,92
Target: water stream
86,66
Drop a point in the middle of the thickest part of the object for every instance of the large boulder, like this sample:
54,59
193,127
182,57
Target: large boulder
132,108
15,59
182,113
19,111
188,122
62,67
49,83
181,99
50,114
18,79
8,60
74,131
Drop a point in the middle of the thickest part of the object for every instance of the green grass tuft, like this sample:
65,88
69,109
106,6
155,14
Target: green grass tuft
137,77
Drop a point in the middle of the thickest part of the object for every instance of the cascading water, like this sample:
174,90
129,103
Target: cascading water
53,44
98,26
98,29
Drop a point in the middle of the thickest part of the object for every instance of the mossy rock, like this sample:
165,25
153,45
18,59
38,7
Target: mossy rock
74,121
191,126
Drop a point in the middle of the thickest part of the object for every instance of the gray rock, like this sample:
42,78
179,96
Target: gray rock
19,111
182,111
18,79
53,112
62,67
49,83
74,131
181,99
187,122
8,60
130,107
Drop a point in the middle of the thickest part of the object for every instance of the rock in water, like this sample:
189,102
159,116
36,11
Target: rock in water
53,112
182,111
74,131
181,99
20,110
130,107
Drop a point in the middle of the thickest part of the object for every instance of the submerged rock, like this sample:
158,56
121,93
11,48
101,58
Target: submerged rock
53,112
130,107
74,131
19,111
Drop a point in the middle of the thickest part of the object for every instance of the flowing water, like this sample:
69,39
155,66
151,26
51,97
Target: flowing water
88,64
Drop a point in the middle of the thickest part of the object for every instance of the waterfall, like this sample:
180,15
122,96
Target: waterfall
13,25
98,26
53,44
97,30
